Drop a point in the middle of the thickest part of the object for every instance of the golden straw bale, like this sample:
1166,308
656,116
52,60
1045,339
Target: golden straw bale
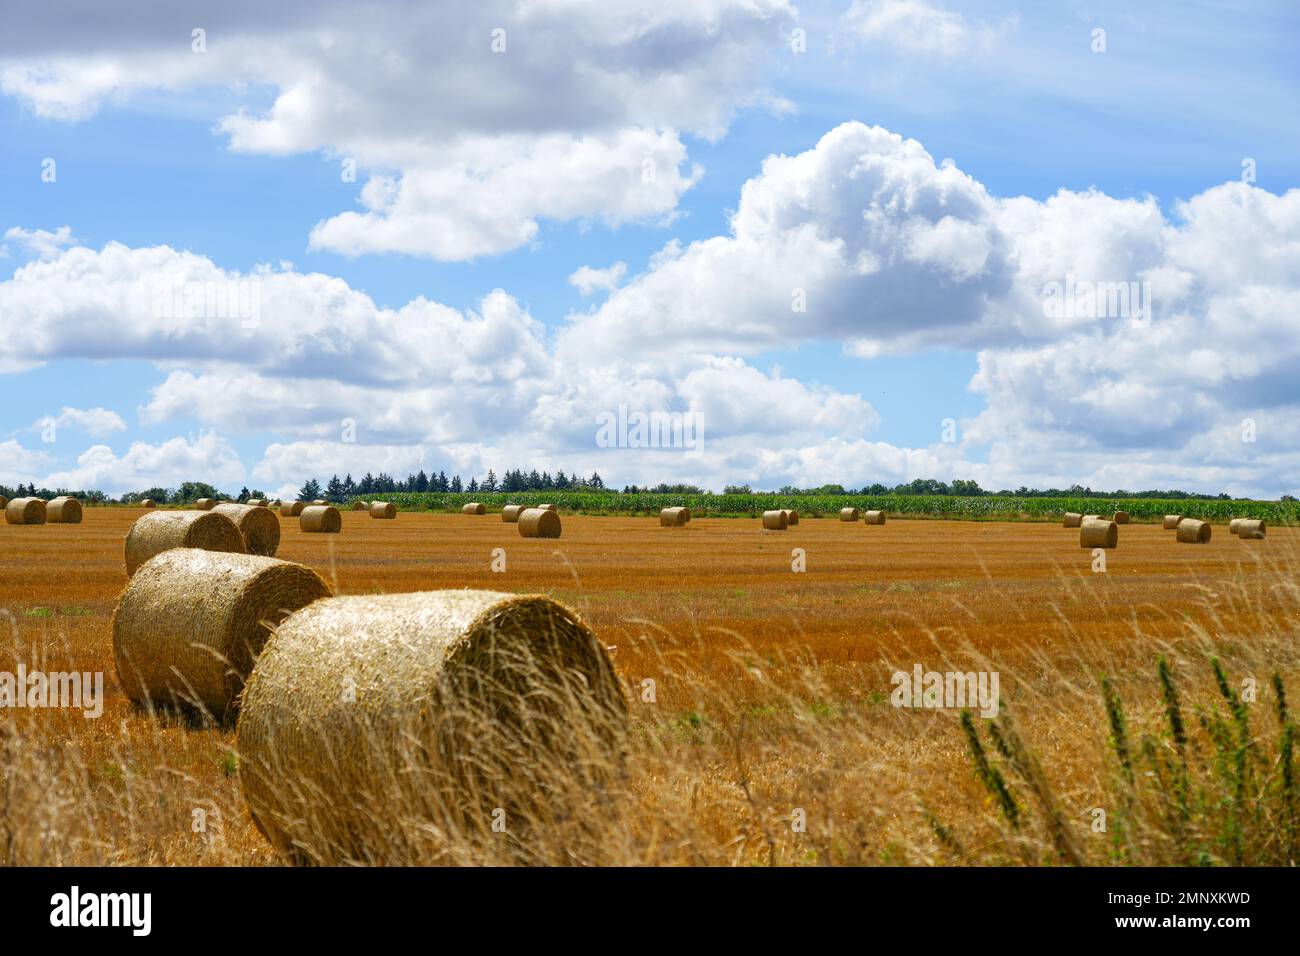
160,531
260,528
792,516
191,623
321,519
1071,520
1121,517
850,514
473,508
510,513
63,510
291,509
205,504
776,520
1098,533
383,509
1251,529
374,723
538,523
1171,522
874,517
674,517
25,511
1191,531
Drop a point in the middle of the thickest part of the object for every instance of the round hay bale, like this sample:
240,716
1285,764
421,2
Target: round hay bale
383,509
1121,517
538,523
850,514
1098,533
548,508
473,508
148,503
360,506
191,623
1171,522
1071,520
161,531
1251,529
674,517
292,509
319,501
1191,531
792,516
257,502
260,528
874,517
510,513
1234,525
375,721
205,504
63,510
777,520
25,511
322,519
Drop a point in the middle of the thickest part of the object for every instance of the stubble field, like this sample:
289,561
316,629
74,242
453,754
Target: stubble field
760,695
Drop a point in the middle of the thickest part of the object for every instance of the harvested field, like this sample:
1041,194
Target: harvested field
760,674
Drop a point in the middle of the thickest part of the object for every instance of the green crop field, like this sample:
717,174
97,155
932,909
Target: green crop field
919,506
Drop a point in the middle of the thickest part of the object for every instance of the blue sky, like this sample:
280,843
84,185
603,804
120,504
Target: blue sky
924,285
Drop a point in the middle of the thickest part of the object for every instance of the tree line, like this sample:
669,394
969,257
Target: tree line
341,489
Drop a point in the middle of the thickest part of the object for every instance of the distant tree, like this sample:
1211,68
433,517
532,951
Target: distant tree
334,490
349,486
595,481
194,490
310,491
561,480
737,490
456,486
473,485
490,482
421,481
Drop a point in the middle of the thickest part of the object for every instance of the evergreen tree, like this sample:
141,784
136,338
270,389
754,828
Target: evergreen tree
547,481
310,491
334,490
561,480
421,481
490,482
595,481
456,485
442,482
243,494
349,486
473,485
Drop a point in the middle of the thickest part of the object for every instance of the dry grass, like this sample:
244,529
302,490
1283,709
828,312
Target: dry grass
761,725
